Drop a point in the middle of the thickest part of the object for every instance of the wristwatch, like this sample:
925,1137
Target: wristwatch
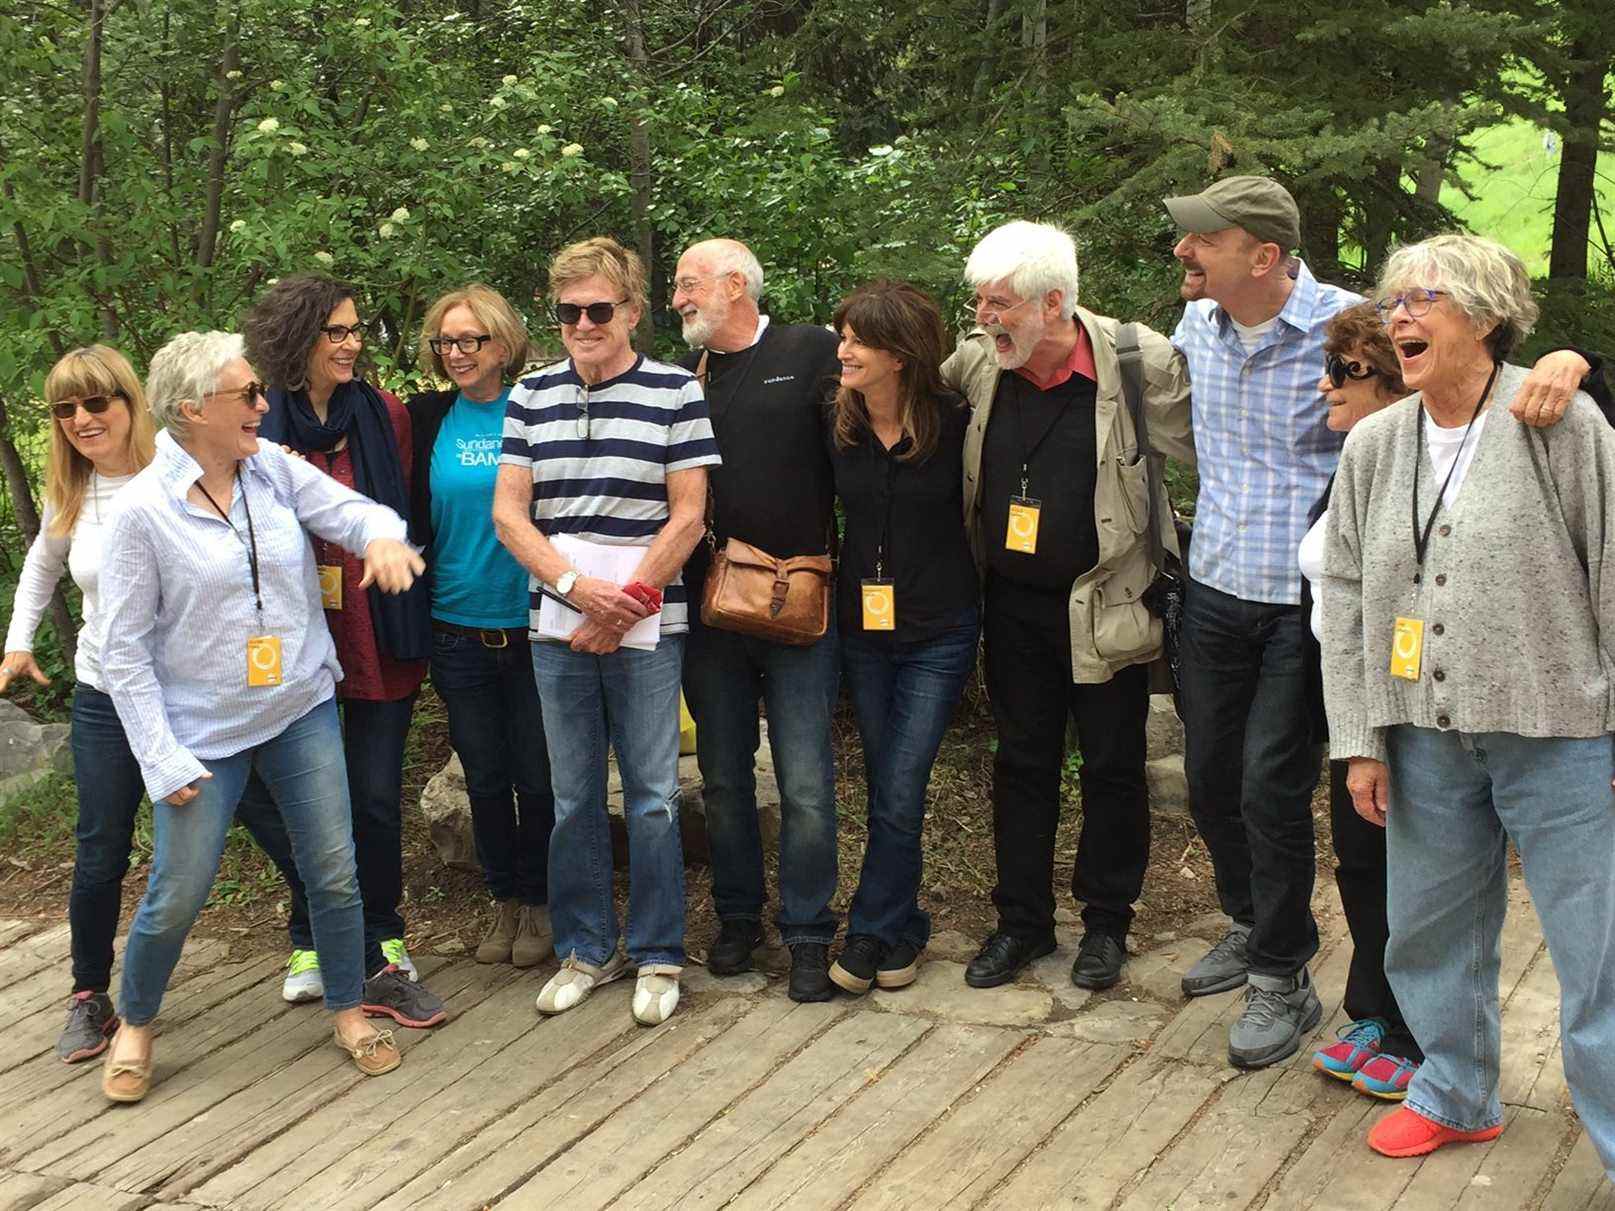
564,582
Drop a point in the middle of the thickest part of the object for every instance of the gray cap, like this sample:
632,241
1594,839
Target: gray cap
1260,205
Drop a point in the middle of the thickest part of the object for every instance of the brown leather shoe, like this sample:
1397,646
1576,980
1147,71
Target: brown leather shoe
535,941
374,1054
496,947
124,1080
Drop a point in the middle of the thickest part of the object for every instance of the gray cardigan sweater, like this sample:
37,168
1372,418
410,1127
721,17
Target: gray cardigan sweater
1518,591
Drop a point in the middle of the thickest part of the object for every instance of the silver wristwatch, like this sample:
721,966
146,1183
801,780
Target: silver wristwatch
564,582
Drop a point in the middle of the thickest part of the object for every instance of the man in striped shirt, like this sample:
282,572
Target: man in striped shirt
611,448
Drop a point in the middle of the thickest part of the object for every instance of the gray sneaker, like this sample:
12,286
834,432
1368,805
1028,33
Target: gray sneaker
1279,1011
389,994
1223,967
90,1026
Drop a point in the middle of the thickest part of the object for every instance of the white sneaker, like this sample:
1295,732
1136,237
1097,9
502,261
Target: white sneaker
577,979
303,980
393,951
656,994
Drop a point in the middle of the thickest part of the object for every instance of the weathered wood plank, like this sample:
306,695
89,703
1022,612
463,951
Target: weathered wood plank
79,1196
981,1140
1441,1178
14,929
35,952
1530,1033
1314,1179
1582,1184
23,1191
858,1141
1097,1151
1516,1164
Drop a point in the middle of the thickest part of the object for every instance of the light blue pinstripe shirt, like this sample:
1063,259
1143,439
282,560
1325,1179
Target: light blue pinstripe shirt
1263,450
176,594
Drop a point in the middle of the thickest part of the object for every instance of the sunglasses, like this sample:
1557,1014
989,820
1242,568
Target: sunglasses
1339,370
244,394
93,404
598,313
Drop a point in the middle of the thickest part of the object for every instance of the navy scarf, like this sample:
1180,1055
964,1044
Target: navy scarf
403,622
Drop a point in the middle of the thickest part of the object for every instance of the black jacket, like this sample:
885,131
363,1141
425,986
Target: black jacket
426,413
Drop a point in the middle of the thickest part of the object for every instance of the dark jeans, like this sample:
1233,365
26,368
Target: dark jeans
1360,876
109,794
373,735
903,695
1028,635
497,729
1252,766
725,675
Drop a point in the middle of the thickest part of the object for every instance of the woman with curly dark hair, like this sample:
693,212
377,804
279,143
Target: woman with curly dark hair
305,338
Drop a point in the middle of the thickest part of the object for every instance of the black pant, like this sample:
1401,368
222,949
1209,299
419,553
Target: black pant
1028,636
1252,766
1360,876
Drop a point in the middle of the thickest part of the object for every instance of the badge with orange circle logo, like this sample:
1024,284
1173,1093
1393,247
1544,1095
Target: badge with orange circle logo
1022,532
263,660
1407,648
330,585
880,605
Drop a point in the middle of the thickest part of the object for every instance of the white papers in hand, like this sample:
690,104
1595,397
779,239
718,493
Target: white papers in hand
597,559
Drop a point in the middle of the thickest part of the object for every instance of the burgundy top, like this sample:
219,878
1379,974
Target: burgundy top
370,675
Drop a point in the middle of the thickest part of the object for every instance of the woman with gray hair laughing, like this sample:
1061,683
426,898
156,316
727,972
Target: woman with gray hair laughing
219,663
1467,663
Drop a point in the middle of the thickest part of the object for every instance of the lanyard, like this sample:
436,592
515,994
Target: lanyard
252,534
886,465
1421,537
1020,434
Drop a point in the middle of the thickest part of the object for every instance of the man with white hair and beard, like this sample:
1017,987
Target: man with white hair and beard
1056,500
766,385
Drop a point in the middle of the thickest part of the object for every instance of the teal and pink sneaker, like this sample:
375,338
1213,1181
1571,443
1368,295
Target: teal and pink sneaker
1358,1042
1385,1077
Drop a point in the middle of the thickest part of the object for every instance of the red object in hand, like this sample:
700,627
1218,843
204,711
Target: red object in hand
648,597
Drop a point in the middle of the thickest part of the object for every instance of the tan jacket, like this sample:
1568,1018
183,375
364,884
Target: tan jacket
1110,627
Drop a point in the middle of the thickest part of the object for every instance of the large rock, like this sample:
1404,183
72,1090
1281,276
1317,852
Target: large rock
1163,728
28,746
1168,785
448,816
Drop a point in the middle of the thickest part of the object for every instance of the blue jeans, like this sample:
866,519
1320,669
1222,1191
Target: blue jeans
497,728
903,695
1252,766
724,677
110,790
1457,799
629,699
304,771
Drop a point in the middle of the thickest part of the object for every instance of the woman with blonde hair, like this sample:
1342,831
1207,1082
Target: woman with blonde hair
481,665
101,434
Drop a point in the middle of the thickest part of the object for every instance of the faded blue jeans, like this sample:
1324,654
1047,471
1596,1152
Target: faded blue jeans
628,699
1456,801
306,774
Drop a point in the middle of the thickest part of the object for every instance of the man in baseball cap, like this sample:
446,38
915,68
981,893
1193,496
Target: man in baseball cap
1260,205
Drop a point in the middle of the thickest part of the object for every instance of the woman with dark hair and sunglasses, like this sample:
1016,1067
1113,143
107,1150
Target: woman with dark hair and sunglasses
305,337
482,667
906,599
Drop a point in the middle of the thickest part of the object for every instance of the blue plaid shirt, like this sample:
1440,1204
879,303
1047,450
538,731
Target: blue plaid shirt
1263,450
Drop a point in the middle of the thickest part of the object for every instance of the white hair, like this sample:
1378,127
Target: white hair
1033,257
186,370
731,256
1486,281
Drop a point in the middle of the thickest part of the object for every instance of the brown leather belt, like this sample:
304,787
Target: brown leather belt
489,637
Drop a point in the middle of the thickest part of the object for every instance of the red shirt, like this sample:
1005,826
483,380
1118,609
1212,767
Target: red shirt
369,674
1080,362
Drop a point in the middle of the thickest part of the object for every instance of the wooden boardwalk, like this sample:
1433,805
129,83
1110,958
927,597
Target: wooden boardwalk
939,1096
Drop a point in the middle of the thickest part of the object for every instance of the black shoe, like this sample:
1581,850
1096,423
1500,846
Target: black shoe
810,972
730,952
854,970
900,967
1099,961
1001,958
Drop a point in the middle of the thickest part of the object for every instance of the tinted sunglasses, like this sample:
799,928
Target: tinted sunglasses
1339,370
93,404
598,313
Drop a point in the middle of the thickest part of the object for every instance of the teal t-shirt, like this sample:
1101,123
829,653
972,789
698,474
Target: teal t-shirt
475,581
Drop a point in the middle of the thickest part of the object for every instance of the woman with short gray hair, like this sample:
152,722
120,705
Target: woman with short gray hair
219,663
1467,654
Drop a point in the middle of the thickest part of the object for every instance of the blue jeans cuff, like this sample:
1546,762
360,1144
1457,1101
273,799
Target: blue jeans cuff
1419,1109
823,939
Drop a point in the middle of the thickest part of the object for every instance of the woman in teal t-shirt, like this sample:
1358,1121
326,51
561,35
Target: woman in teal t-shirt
482,668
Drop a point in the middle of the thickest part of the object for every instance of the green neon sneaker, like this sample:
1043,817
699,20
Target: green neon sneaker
392,949
303,981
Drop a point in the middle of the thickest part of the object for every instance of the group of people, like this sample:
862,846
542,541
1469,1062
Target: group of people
296,539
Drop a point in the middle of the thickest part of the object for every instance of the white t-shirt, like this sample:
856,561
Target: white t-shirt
80,553
1312,569
1250,335
1442,445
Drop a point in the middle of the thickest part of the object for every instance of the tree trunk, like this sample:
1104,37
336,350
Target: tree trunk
639,171
1585,106
1432,170
22,504
989,52
90,150
207,239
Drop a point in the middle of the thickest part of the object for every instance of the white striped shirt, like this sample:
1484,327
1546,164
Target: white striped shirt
177,597
600,456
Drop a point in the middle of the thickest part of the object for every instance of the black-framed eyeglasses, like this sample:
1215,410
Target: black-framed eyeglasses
465,344
598,313
1339,370
1418,302
63,409
244,395
337,333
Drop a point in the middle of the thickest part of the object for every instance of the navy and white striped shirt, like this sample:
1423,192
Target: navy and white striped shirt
600,455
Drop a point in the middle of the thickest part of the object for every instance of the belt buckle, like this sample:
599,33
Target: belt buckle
504,639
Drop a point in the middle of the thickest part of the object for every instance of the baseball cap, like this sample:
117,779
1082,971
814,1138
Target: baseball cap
1260,205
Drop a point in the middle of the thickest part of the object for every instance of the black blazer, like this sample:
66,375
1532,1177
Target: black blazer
426,413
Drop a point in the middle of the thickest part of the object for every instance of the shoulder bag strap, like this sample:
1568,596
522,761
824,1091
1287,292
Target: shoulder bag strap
1131,358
